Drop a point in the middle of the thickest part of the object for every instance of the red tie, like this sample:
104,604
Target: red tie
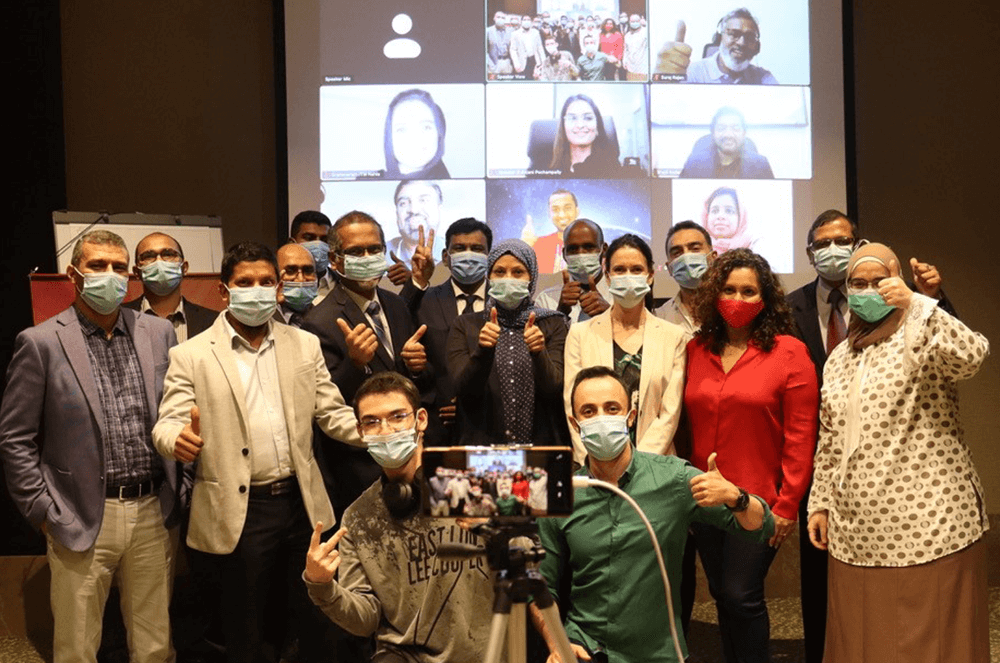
836,329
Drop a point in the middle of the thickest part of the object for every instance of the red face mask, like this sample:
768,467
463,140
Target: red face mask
738,313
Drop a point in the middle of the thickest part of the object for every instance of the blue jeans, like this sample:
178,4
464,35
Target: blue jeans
736,568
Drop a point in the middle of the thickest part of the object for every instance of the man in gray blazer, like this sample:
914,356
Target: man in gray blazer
75,438
241,400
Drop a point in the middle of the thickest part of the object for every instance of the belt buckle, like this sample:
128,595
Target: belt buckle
121,495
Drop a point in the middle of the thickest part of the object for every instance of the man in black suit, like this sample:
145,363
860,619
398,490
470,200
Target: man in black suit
467,245
363,330
160,264
820,311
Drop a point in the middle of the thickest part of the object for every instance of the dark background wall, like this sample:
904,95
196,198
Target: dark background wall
170,107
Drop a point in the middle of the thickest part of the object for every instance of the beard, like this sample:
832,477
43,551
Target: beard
731,63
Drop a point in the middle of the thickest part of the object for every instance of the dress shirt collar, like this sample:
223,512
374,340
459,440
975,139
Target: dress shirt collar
90,328
479,292
626,476
177,312
238,341
823,291
361,301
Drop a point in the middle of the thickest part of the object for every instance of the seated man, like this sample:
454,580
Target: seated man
419,608
739,43
727,154
616,595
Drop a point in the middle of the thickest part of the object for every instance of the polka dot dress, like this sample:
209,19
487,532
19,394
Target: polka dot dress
906,492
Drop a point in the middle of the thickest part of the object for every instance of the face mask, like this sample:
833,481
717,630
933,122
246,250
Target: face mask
320,252
364,268
394,449
868,305
104,291
551,49
509,293
298,295
583,265
688,268
628,290
831,262
468,267
605,436
162,277
635,25
253,306
738,313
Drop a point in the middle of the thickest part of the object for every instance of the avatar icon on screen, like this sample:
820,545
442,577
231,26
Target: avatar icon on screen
582,147
726,59
414,137
727,222
727,153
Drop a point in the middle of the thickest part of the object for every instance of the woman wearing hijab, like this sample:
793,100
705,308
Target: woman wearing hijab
507,360
896,499
646,352
414,138
752,398
726,221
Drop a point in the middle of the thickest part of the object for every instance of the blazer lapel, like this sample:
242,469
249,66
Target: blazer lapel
355,316
446,301
75,346
286,356
602,327
651,352
223,351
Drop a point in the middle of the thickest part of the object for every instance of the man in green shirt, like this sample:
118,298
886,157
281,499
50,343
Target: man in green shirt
617,597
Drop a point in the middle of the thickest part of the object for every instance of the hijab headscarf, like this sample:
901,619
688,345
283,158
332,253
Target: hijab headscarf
860,333
433,169
512,360
742,238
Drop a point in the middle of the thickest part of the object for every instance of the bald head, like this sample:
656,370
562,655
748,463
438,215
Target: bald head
295,263
153,244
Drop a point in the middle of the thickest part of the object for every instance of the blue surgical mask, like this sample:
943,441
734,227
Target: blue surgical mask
869,305
688,268
320,252
364,268
628,290
509,293
162,277
605,436
103,291
298,295
254,305
831,262
394,449
583,265
468,267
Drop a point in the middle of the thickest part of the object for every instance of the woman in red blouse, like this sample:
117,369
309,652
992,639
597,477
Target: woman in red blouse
752,398
613,44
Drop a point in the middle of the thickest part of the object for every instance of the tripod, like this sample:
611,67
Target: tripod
515,583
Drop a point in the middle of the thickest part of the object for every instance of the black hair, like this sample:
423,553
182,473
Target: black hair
387,382
686,225
468,225
632,241
352,217
246,252
308,216
591,373
415,94
829,216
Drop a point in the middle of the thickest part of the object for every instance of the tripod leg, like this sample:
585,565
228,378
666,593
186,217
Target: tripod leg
554,625
498,628
517,634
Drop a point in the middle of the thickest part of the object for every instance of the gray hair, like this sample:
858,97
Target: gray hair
100,237
333,236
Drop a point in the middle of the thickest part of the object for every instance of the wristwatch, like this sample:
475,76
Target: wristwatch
742,502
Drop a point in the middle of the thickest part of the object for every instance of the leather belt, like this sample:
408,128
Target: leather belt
276,488
135,490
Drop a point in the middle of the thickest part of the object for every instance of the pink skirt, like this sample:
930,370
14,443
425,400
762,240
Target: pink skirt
931,613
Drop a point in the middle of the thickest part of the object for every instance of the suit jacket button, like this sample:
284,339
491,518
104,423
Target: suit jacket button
243,489
246,452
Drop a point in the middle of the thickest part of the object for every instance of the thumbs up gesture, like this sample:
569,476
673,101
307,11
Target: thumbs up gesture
675,56
894,290
398,273
926,277
528,232
533,336
712,489
591,301
490,333
189,442
414,355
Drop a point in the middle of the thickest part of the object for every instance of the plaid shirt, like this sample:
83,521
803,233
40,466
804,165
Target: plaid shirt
129,457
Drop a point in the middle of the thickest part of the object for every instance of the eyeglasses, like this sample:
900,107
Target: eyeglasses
169,255
861,284
395,422
362,251
824,243
294,270
747,35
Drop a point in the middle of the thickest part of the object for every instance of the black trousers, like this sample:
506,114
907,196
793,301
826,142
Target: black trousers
812,563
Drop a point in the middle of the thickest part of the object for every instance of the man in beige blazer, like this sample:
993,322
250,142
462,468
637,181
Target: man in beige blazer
239,402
